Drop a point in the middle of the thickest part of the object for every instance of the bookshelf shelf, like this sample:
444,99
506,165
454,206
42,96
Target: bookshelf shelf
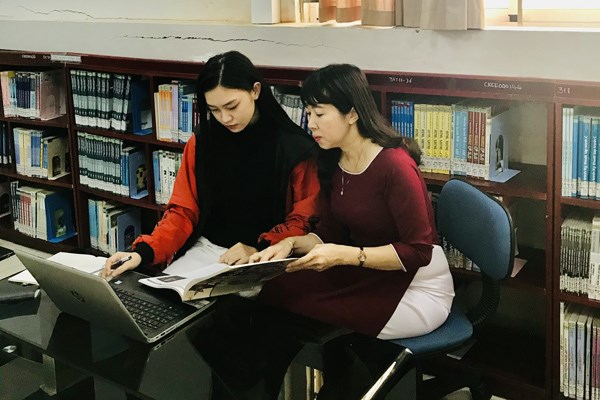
584,203
142,203
69,245
59,122
578,299
63,182
529,183
131,137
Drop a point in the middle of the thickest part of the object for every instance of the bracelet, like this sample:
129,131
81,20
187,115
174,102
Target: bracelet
362,257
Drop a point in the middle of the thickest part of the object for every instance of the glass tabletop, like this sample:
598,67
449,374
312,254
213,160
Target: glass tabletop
237,349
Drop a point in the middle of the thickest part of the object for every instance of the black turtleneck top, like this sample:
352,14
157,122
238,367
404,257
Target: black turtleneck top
242,174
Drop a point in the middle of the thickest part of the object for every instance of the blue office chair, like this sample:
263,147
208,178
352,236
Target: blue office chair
480,227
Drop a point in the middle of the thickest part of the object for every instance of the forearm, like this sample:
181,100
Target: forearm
382,257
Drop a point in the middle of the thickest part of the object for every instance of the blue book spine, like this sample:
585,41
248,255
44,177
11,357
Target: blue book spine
575,156
45,155
93,217
183,115
455,142
585,128
593,188
464,138
36,141
156,173
125,172
411,120
402,118
596,129
59,216
138,184
393,114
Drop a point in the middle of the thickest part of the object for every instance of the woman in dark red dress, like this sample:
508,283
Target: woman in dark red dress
372,264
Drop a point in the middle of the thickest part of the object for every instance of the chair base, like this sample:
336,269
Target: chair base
447,382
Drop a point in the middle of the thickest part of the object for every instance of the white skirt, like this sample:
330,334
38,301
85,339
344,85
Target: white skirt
426,303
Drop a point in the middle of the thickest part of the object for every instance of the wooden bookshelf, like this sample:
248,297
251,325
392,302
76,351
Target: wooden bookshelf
517,364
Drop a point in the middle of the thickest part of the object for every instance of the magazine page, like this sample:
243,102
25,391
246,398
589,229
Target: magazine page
217,279
202,253
182,283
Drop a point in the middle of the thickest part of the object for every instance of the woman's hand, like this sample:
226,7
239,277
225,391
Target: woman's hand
121,262
320,258
237,254
276,252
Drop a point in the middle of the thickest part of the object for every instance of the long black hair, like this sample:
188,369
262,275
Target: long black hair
345,87
233,70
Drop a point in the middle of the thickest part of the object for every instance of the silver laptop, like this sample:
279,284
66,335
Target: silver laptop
122,305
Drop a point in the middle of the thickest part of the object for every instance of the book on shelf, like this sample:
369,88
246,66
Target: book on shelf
40,154
141,107
5,150
138,179
109,100
219,279
112,226
166,166
36,95
55,157
42,213
128,227
55,213
174,105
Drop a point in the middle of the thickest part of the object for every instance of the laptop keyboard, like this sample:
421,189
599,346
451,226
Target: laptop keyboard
147,313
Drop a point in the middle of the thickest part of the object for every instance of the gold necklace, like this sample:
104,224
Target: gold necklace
346,181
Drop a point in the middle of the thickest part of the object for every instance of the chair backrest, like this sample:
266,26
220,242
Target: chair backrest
481,228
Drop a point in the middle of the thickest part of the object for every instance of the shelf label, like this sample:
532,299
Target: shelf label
65,58
563,90
511,86
582,92
407,80
410,81
518,88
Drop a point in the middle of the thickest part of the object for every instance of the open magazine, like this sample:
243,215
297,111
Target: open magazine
219,279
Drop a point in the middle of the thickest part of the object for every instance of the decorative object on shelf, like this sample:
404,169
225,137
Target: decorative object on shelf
265,11
310,12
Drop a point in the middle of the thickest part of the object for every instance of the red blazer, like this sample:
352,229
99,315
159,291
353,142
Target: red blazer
182,212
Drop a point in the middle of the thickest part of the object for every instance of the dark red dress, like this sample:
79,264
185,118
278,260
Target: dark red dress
385,204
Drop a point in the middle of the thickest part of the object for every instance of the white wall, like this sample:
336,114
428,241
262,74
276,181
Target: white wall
127,28
126,10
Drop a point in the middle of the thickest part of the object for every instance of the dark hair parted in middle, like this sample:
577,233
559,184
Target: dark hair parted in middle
345,86
233,70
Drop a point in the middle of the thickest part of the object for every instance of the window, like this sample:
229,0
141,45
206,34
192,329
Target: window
543,13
